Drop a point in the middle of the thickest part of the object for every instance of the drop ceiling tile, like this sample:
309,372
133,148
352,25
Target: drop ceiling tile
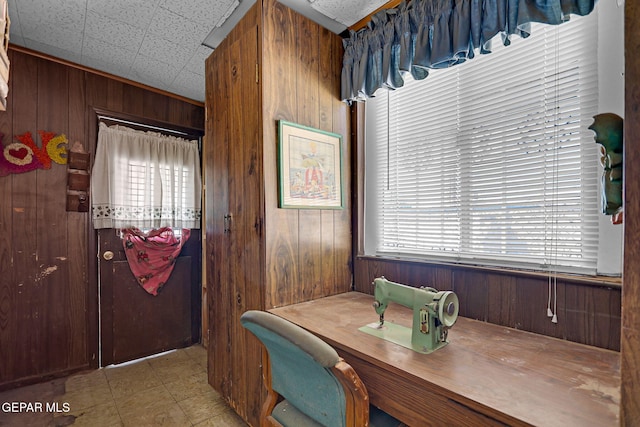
133,12
153,70
113,32
15,20
205,12
188,78
15,32
197,94
190,85
143,77
175,28
196,62
105,64
17,39
68,14
13,11
347,12
165,51
50,34
52,50
120,57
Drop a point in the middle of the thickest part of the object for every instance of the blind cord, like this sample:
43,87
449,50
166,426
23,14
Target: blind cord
553,274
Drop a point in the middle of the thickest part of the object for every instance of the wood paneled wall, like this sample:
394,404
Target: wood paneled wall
587,313
308,251
630,351
48,299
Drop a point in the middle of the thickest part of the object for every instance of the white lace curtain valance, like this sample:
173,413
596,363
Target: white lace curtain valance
421,35
145,180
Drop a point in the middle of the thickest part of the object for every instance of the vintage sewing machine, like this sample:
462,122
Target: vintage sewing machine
434,312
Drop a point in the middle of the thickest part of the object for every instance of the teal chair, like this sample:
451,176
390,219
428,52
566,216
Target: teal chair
307,383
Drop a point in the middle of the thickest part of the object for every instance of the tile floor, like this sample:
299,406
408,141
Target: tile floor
169,389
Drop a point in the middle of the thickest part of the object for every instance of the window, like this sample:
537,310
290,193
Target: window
490,162
171,183
145,180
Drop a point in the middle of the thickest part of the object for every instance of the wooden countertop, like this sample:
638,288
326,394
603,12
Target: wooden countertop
502,374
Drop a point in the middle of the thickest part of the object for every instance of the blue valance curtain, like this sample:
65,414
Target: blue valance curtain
428,34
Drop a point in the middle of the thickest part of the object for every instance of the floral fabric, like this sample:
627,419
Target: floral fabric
152,255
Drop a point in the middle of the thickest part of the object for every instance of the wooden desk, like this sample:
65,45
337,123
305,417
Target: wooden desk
486,375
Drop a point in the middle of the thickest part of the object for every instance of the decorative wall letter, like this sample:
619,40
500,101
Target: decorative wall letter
24,155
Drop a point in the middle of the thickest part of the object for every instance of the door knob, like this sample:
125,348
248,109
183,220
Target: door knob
108,255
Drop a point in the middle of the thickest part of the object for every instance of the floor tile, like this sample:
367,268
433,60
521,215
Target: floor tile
169,358
133,385
189,386
131,378
101,415
85,380
149,400
203,406
81,399
199,354
169,389
165,415
42,394
175,372
228,418
140,368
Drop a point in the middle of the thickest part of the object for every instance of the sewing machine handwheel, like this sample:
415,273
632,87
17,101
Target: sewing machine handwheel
448,309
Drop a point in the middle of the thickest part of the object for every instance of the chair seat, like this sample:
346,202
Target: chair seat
287,415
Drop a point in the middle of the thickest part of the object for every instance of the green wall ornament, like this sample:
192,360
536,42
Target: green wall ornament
609,131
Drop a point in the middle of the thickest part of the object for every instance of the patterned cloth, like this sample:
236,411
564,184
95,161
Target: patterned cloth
152,255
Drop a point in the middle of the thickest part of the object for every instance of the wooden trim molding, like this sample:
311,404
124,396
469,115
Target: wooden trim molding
364,21
37,54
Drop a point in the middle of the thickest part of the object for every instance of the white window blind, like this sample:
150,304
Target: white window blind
491,162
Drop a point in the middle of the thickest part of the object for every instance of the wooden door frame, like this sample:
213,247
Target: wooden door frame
93,115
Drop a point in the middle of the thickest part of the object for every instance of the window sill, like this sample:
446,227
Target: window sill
597,281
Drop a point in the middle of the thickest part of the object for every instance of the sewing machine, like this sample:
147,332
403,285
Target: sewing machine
434,312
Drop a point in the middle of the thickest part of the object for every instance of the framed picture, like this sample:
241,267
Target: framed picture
309,167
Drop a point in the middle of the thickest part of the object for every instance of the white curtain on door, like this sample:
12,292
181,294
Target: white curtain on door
145,180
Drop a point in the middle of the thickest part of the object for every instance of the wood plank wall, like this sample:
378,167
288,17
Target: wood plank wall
308,252
48,300
630,352
588,314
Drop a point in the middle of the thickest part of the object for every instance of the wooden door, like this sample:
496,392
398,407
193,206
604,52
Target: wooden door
136,324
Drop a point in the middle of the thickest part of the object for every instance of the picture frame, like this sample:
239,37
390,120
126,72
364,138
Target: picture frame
309,167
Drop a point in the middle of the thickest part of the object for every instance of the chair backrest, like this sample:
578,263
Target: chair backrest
303,370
